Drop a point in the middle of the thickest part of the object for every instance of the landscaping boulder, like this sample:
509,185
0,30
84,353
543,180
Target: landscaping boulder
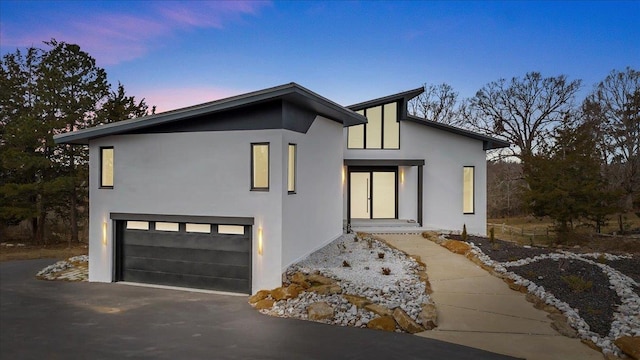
320,311
385,323
429,316
316,279
629,345
283,293
378,309
260,295
264,304
406,322
561,325
356,300
300,279
326,289
456,247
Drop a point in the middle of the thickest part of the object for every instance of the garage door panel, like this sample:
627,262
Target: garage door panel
196,255
187,267
186,259
188,240
184,280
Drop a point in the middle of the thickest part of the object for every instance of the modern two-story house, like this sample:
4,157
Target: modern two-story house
225,195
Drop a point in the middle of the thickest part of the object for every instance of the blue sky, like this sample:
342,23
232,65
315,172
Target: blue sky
177,54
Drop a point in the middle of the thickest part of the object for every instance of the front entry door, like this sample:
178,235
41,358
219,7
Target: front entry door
373,194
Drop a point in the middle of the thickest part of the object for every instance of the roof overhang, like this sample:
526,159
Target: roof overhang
488,142
385,162
403,97
291,92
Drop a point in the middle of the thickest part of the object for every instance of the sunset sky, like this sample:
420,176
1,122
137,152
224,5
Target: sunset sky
176,54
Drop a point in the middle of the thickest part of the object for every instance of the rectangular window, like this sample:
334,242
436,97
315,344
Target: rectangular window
391,127
137,225
355,135
167,226
106,167
198,228
374,128
260,166
291,176
468,185
231,229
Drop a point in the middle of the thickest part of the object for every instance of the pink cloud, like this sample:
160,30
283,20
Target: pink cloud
175,98
112,38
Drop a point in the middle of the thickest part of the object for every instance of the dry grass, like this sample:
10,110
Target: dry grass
28,252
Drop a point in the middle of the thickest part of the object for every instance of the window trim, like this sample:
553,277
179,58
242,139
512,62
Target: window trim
252,165
295,167
473,190
100,183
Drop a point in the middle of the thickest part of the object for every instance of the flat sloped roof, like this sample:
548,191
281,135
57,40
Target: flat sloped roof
291,92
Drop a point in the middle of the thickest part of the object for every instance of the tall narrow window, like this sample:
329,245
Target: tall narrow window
374,128
468,190
106,167
355,135
291,176
391,129
260,166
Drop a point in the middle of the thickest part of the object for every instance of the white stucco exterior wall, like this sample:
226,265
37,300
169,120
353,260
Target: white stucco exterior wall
312,217
445,155
198,173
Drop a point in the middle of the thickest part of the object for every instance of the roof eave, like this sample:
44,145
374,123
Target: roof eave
405,96
488,142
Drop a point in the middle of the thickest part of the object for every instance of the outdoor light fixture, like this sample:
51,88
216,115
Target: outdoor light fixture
343,176
259,241
401,176
104,233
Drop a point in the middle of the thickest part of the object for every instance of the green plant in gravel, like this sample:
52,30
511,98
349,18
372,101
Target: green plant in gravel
464,235
577,283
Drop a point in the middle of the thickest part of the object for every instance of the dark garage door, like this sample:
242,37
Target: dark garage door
185,254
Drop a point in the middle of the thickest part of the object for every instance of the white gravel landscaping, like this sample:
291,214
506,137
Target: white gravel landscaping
363,277
627,315
73,269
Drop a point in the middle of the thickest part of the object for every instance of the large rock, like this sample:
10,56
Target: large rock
356,300
429,316
561,325
262,294
326,289
378,309
300,279
457,247
385,323
284,293
406,322
264,304
629,345
320,311
316,279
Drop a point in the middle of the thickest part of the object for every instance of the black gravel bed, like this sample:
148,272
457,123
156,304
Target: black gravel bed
595,304
629,267
503,251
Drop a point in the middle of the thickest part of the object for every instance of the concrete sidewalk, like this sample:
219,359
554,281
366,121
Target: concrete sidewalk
479,310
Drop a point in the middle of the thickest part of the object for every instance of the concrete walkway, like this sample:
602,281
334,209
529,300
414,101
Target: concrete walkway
479,310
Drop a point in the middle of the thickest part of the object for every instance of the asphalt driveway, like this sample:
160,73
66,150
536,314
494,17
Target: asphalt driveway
62,320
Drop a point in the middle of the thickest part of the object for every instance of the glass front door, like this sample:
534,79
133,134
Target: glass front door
373,194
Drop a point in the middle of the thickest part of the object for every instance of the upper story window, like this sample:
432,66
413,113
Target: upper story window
106,167
382,131
468,187
291,170
260,166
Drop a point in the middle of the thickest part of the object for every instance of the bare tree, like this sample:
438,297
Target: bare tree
614,105
522,111
437,103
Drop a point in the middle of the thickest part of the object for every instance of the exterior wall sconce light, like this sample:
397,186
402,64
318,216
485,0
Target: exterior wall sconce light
402,176
259,241
104,233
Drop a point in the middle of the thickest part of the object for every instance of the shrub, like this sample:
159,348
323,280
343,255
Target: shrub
492,235
577,283
464,235
386,271
380,255
345,263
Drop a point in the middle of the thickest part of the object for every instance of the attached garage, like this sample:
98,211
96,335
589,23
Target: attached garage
201,252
